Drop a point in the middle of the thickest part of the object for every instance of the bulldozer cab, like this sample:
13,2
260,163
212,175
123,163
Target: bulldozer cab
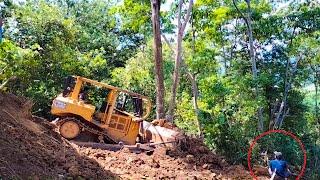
118,112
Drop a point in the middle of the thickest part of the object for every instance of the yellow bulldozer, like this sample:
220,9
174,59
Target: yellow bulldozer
112,114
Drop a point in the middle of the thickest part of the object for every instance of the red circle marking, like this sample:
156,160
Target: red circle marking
287,133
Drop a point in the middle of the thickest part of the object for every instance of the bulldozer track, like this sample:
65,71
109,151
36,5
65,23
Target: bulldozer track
86,127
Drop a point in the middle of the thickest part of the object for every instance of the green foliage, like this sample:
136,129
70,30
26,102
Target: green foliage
228,99
137,75
17,64
110,41
135,16
186,117
290,149
58,39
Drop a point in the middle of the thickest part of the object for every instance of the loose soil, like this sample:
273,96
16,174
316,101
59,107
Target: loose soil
31,149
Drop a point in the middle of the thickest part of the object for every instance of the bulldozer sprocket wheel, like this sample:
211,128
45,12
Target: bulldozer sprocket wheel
69,129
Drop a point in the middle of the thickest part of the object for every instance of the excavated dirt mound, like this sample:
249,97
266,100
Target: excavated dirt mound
30,149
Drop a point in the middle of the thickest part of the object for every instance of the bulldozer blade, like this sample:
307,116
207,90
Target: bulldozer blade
158,134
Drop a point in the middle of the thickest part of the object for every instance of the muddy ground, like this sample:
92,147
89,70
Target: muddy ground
31,149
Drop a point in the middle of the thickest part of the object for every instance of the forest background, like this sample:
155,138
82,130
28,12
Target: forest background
245,66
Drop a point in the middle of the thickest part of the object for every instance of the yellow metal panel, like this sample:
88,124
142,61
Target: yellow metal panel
120,122
112,101
66,105
76,90
129,137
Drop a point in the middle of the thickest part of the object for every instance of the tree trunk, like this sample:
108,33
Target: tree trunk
224,52
178,59
254,65
195,93
248,22
157,51
193,79
283,110
316,76
194,85
251,48
316,95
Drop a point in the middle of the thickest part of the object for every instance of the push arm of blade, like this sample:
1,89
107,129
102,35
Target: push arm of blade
137,119
148,108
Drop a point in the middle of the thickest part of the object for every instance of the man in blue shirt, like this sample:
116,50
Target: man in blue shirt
279,166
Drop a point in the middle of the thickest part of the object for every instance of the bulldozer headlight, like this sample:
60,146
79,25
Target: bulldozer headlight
59,104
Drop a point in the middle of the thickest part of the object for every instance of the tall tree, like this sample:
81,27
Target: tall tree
157,51
248,22
178,58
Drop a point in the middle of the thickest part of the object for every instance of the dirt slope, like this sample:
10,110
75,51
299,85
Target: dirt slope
29,148
32,150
